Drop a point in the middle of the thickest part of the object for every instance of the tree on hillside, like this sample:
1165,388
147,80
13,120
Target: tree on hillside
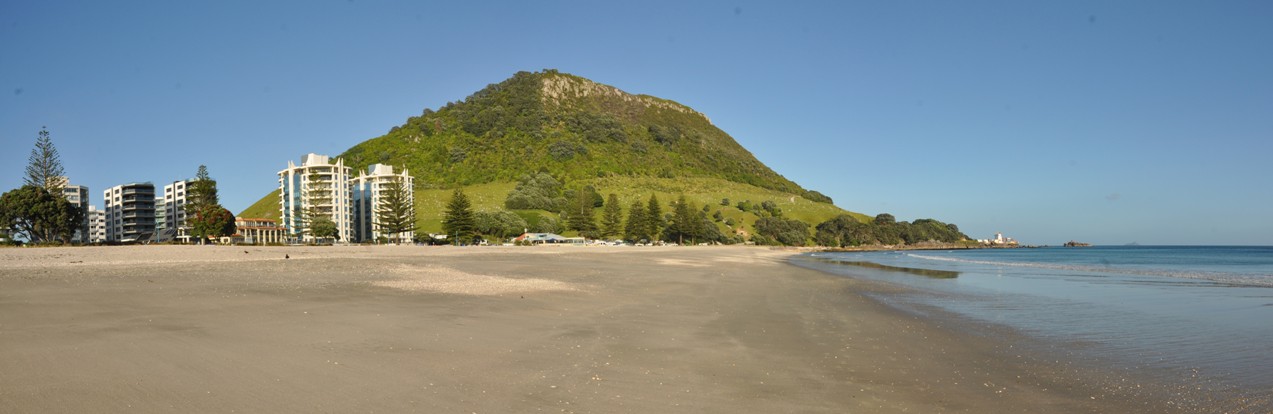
579,215
706,231
683,224
536,192
458,221
44,166
396,213
653,217
636,228
777,230
499,225
843,231
38,215
612,217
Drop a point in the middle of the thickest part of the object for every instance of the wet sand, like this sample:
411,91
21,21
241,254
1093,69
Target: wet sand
488,330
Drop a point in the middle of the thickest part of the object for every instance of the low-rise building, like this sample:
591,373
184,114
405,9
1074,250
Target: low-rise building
258,231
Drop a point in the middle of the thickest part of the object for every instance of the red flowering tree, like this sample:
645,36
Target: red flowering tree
212,221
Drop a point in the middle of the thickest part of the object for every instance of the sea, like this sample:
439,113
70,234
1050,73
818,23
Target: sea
1199,318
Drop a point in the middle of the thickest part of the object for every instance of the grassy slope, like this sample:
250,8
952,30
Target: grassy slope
266,207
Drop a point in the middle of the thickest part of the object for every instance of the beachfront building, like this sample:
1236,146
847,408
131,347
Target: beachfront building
368,198
170,213
318,187
96,225
78,196
258,231
540,238
130,212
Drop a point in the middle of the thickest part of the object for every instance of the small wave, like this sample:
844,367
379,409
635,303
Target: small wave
1235,279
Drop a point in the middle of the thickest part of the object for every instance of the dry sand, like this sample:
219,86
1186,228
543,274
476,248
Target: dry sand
486,330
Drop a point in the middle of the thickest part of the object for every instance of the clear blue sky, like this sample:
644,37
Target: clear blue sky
1108,122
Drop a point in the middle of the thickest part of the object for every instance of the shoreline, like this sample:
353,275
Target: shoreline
1184,387
490,329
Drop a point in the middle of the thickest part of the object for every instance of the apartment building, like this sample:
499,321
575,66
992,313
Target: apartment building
96,225
319,187
170,213
78,195
368,190
130,212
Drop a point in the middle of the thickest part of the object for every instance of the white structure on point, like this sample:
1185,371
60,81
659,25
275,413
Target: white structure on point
368,193
318,186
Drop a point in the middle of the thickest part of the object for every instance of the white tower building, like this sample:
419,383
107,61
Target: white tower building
171,213
318,187
368,191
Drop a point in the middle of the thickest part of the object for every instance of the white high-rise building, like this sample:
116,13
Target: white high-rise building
96,225
368,190
77,195
130,212
170,212
318,187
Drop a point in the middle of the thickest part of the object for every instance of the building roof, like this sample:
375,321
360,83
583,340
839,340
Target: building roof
544,237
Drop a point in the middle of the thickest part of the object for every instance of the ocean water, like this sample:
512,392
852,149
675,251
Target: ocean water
1186,315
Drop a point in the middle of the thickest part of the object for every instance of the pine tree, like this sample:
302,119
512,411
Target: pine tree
682,225
459,222
202,191
44,166
396,214
653,217
315,219
635,231
206,216
611,217
581,217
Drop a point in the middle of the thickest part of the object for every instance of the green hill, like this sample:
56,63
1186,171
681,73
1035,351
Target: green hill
583,133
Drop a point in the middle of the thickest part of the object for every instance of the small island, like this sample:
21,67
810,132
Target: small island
1073,243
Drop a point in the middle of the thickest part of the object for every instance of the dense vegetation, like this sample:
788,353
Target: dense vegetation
846,231
38,211
569,127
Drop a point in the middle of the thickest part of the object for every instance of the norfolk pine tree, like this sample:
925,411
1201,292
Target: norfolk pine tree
203,207
653,218
458,221
396,214
44,166
636,228
612,217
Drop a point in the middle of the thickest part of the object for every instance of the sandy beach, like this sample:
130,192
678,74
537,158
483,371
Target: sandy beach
490,330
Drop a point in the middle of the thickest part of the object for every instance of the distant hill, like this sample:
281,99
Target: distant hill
583,133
